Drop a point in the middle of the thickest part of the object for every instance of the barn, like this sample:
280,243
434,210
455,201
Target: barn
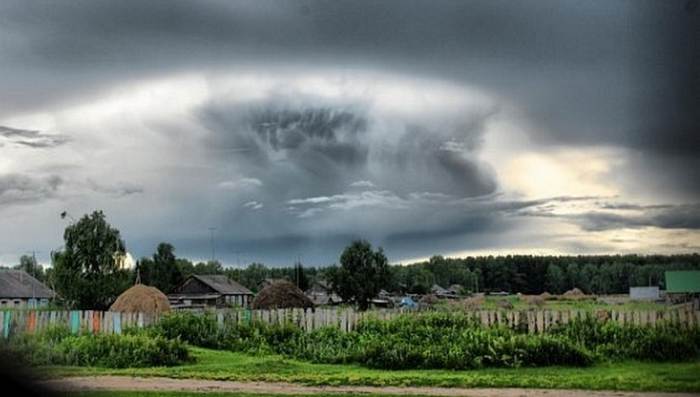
210,291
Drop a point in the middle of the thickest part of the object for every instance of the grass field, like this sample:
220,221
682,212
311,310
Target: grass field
223,365
492,303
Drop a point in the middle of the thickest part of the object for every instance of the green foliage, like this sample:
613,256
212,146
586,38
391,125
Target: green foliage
440,340
233,366
198,330
87,274
162,271
453,341
613,341
361,275
209,267
58,347
28,264
121,351
556,280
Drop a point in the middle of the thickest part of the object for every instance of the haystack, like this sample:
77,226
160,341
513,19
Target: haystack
141,298
281,294
504,304
429,299
536,300
474,302
546,295
574,292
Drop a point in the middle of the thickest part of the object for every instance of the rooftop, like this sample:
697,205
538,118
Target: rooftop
19,284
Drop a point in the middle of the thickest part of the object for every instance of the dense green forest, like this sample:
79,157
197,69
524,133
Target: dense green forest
86,275
605,274
601,274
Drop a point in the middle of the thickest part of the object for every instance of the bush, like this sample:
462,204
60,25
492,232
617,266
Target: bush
121,351
56,346
613,341
447,340
440,340
198,330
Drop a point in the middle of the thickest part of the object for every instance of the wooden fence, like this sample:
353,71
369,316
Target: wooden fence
30,321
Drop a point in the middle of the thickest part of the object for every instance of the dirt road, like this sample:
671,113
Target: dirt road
167,384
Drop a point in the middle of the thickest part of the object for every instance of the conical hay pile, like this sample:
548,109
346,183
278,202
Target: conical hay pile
574,292
141,298
280,295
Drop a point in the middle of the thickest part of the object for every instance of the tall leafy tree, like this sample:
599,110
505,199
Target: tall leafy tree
556,280
363,272
162,271
87,273
209,267
28,264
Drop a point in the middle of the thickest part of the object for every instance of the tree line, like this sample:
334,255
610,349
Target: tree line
88,273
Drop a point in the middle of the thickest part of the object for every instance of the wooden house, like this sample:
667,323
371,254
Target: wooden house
20,290
210,291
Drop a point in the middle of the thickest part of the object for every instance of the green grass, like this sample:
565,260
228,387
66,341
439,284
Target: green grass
223,365
491,303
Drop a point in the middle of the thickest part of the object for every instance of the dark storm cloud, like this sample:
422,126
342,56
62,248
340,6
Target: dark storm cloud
310,146
115,190
31,138
684,216
25,189
595,72
581,74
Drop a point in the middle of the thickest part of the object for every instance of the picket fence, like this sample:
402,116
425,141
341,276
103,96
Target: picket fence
534,321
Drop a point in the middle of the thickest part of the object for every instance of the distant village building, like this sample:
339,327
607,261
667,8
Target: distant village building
644,293
210,291
456,289
321,294
443,293
20,290
682,285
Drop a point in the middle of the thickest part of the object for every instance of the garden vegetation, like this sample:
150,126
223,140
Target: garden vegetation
57,346
440,340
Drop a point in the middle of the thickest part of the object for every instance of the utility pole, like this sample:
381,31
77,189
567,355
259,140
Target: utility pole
211,239
238,257
32,272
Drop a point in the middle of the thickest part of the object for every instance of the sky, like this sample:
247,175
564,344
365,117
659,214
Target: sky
281,131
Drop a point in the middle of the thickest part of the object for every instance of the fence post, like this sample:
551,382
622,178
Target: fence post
6,323
74,321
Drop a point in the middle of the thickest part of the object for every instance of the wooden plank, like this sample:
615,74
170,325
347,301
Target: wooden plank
540,321
484,317
2,323
531,322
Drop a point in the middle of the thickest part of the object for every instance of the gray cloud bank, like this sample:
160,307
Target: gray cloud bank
31,138
296,171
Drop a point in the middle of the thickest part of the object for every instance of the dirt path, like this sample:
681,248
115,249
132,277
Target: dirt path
167,384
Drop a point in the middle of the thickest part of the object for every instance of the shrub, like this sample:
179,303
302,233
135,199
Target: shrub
613,341
56,346
121,351
198,330
449,340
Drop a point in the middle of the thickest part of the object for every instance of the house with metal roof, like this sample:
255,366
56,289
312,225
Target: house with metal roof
210,291
18,289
